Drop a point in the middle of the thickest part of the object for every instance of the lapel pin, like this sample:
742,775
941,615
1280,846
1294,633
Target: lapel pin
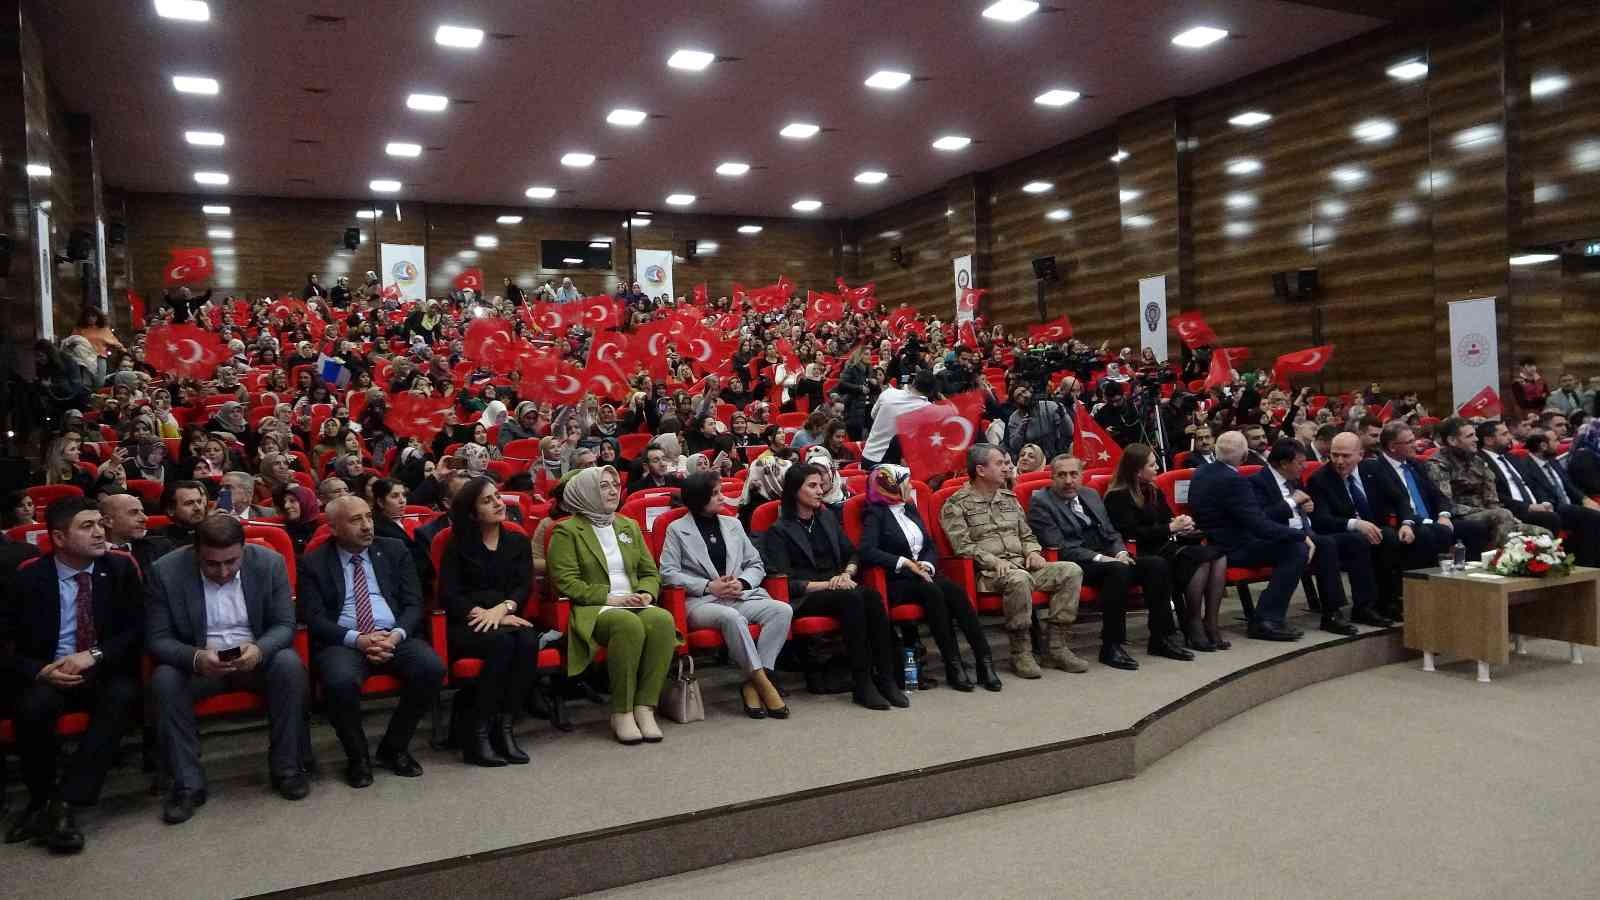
623,538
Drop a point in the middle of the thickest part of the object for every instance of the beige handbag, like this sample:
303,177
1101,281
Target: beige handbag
680,698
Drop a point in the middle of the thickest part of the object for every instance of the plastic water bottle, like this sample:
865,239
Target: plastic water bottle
911,668
1458,556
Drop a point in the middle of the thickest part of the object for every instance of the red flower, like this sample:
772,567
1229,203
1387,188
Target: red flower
1538,567
1530,546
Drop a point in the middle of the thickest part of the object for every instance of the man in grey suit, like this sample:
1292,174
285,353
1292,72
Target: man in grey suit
219,618
1073,519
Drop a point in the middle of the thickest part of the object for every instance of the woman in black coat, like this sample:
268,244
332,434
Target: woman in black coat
807,546
894,538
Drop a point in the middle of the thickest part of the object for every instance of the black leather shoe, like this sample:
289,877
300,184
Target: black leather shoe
866,694
1169,647
892,693
478,751
1333,623
30,824
985,673
294,787
62,834
1265,632
1370,617
1394,614
358,773
180,804
1117,658
504,741
399,762
1199,641
956,674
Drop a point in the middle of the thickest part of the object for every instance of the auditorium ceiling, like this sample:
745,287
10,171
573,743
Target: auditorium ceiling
310,93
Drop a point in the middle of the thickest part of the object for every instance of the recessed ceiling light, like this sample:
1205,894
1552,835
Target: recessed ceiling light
220,233
539,192
458,36
1374,130
485,242
384,185
1199,36
1056,97
1128,196
577,160
706,246
637,222
1249,119
38,170
693,60
599,245
871,177
509,220
1546,85
643,212
1348,175
1138,221
1410,70
799,130
1243,166
211,177
369,213
1239,201
468,255
572,260
1333,209
1010,10
1533,259
195,84
952,142
187,10
1037,187
679,199
1060,214
1119,156
229,251
204,138
401,148
749,229
885,80
1238,229
628,117
428,102
1476,136
806,205
217,210
733,168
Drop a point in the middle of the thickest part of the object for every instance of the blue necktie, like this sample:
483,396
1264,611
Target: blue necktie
1418,505
1359,497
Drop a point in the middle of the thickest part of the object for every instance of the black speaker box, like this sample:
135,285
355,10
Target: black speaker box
352,238
1044,269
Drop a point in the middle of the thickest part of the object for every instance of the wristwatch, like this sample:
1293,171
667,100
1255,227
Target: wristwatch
97,654
511,606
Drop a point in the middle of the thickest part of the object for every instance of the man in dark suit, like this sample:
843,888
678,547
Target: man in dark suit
220,618
1225,507
363,607
1284,500
124,520
72,630
1343,511
1073,519
655,472
1551,484
1494,446
185,503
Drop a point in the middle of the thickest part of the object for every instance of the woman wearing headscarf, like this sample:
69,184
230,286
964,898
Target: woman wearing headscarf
833,490
475,459
1583,461
161,408
762,484
301,514
894,538
524,424
149,461
710,556
601,561
424,322
1030,459
78,351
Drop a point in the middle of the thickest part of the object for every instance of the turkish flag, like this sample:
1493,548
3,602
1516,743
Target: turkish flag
900,318
700,294
392,292
412,416
863,299
489,340
1484,404
1193,330
556,318
969,334
1221,373
135,310
186,350
729,322
315,326
1308,361
600,312
285,309
1235,355
1092,444
791,360
606,380
1054,331
557,384
970,298
608,347
934,439
188,265
823,308
469,280
1386,412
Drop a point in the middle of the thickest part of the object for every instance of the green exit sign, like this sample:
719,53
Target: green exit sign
1592,248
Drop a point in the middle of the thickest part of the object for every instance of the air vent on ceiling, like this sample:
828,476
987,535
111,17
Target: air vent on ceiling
918,79
302,181
314,90
462,101
502,36
434,149
305,140
316,22
726,59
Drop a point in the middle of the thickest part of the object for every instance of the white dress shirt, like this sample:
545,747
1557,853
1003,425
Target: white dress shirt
1511,475
1400,473
912,533
892,404
1297,519
227,618
616,569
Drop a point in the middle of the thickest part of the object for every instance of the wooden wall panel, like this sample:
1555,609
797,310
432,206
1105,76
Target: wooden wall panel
1558,125
921,229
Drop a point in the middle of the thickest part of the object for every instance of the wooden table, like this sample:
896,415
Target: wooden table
1476,617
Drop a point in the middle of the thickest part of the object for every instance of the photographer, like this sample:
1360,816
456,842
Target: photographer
1043,422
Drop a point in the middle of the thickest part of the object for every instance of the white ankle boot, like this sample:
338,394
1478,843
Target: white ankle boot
648,729
625,728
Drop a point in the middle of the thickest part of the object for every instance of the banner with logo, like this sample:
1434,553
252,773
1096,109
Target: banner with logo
653,270
404,268
1153,315
1474,350
47,273
100,265
963,266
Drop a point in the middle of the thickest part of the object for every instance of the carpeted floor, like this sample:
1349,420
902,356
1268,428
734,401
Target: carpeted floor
1387,783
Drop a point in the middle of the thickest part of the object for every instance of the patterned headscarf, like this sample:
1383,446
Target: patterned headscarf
1588,437
476,457
765,476
887,485
818,455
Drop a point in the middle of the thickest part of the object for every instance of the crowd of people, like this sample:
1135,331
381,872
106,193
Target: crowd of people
410,466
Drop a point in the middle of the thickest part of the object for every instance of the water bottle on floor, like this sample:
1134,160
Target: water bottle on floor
910,657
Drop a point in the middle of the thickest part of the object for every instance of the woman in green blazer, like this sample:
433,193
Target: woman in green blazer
603,565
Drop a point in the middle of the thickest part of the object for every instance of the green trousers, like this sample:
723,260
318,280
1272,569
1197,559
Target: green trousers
639,646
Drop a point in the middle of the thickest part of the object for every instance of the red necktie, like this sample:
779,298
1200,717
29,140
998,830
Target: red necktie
358,577
85,603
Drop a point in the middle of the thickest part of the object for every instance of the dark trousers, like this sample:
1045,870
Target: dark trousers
111,699
1394,558
342,670
1350,552
1474,535
945,607
865,622
1550,521
510,665
1288,560
1113,579
1584,524
281,677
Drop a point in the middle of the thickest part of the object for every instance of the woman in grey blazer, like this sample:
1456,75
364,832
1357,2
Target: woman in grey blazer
711,558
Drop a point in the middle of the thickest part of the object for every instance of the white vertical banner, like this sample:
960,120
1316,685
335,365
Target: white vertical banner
100,265
653,270
1153,315
1474,349
47,273
963,267
404,266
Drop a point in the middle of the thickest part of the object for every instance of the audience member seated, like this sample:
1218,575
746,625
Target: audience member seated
1030,459
1583,459
658,469
185,505
124,520
1404,504
600,562
16,510
1464,477
300,512
1514,481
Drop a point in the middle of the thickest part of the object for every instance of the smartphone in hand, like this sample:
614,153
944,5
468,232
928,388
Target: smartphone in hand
231,653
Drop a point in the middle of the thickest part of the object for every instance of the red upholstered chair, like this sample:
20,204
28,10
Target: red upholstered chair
522,448
855,513
45,494
149,492
791,419
503,470
645,506
764,516
1032,477
1310,467
633,444
1174,483
32,534
1025,492
305,480
961,569
1100,483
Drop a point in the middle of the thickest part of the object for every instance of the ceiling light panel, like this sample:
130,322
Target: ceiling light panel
1250,119
679,199
691,60
458,36
509,220
195,84
799,130
578,160
428,102
1056,97
204,138
952,142
871,176
211,178
626,117
733,169
185,10
886,80
401,148
539,192
1010,10
1037,187
217,210
749,229
1410,70
384,185
806,205
1199,36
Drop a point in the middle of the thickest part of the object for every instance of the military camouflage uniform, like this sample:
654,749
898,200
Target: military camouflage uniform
1467,483
994,532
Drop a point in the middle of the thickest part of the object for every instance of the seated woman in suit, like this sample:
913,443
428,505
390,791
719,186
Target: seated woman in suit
601,562
710,556
807,545
483,582
1583,461
1140,512
894,539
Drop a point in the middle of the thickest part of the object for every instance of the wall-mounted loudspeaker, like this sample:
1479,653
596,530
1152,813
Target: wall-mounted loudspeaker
1295,287
116,233
897,255
1044,269
691,249
80,245
352,238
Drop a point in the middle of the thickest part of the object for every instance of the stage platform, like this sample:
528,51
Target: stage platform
589,813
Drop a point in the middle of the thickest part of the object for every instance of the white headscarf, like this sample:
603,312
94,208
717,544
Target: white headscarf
818,455
493,414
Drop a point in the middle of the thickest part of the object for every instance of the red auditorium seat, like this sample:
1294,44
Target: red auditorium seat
961,569
873,576
45,494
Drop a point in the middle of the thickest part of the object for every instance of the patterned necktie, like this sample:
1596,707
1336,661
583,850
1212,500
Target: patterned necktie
1516,480
358,578
85,603
1359,497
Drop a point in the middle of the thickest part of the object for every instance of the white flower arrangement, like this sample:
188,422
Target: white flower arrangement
1530,555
